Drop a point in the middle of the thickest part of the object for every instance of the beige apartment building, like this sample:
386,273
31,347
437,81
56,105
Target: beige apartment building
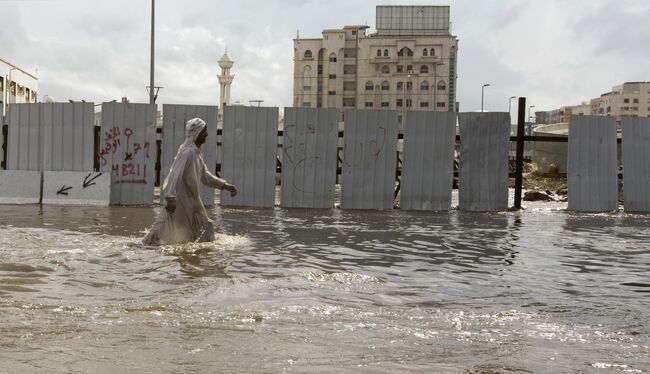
630,99
409,63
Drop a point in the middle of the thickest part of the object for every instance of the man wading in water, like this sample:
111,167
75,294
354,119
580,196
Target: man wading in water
185,218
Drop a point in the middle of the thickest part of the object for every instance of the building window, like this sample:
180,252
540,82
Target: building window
424,104
409,68
433,52
425,52
442,86
306,104
385,104
308,54
424,69
635,101
385,53
385,86
409,86
441,104
369,104
332,76
332,57
400,68
306,88
626,100
408,103
331,92
424,86
400,86
354,32
385,69
348,102
398,103
379,53
369,86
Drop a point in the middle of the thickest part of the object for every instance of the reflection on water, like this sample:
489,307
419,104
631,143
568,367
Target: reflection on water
325,291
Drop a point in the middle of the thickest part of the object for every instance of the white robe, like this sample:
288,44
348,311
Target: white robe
189,222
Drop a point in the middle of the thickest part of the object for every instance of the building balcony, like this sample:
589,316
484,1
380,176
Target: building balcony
383,60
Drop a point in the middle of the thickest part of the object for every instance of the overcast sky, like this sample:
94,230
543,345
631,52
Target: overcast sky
554,52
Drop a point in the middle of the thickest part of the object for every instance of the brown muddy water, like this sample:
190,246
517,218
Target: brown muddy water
332,291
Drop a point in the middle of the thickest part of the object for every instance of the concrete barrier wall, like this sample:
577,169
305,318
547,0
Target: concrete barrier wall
249,155
76,188
369,159
309,148
636,164
428,164
174,119
128,151
484,148
20,187
592,177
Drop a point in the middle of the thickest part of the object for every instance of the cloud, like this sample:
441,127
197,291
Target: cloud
553,52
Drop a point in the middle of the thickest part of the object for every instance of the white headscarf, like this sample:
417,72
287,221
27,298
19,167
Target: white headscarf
192,129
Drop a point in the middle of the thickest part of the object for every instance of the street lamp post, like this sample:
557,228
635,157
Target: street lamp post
434,86
482,92
510,105
8,82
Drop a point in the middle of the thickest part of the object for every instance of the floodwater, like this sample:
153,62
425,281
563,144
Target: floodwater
332,291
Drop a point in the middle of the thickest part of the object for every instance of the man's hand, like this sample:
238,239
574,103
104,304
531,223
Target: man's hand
170,205
231,188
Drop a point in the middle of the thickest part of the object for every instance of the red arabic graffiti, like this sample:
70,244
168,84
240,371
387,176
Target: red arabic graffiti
130,165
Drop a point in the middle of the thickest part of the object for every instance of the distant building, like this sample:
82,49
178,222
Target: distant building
630,99
408,64
16,85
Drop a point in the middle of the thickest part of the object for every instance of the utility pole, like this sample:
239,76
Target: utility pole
152,96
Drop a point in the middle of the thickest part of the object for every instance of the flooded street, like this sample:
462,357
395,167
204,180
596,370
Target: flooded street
331,291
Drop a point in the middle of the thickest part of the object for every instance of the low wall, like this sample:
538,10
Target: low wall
548,154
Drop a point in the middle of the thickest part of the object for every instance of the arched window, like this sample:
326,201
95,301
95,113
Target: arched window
379,53
332,57
385,53
424,86
308,54
424,52
424,69
409,52
385,69
385,86
400,86
369,86
433,52
442,86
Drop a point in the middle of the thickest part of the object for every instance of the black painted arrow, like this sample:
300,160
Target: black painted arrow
63,190
87,182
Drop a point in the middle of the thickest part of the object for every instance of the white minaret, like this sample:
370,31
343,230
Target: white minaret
225,80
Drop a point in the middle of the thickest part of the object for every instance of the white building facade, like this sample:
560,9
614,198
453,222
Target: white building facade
16,85
408,64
